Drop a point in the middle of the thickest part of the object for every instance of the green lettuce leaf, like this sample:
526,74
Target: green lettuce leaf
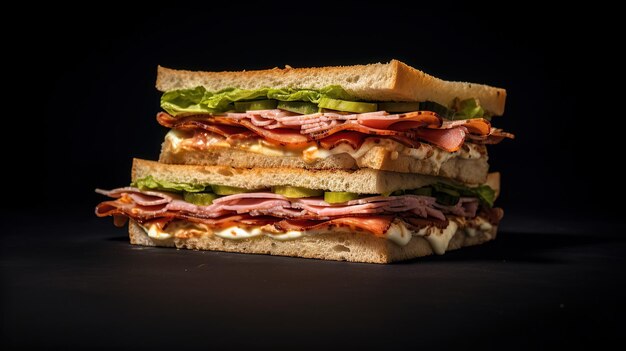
336,92
485,194
469,108
188,101
149,183
221,100
199,100
294,95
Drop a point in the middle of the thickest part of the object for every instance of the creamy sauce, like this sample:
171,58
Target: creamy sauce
439,239
398,232
475,226
236,233
311,153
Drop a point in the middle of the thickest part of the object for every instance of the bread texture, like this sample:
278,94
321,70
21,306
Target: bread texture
393,81
337,246
472,171
364,180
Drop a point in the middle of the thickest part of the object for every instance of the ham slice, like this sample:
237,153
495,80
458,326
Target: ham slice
476,126
354,139
283,137
377,225
448,139
230,221
255,195
219,126
401,121
466,207
287,129
272,114
141,197
150,204
373,214
495,136
124,206
350,125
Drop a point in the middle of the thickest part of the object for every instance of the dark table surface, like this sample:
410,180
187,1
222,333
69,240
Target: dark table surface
78,283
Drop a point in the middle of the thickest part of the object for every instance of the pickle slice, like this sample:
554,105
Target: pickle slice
296,191
335,197
436,108
201,199
243,106
302,107
399,106
447,197
230,190
425,191
347,106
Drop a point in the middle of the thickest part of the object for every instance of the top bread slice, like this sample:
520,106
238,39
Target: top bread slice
393,81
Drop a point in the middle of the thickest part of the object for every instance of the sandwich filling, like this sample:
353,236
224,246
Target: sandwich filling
293,121
180,141
176,210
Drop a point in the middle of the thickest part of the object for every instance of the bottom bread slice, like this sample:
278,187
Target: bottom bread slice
337,246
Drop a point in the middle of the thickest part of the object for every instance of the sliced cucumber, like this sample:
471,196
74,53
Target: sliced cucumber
243,106
347,106
436,108
296,191
335,197
230,190
305,108
446,199
201,199
425,191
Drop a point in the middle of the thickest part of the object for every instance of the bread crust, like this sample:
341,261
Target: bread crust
472,171
337,246
393,81
362,180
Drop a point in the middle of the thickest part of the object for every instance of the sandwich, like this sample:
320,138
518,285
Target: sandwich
360,215
381,116
373,163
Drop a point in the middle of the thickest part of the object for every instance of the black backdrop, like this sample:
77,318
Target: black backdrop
90,94
84,104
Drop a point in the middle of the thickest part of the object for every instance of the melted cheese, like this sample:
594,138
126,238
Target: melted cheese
236,233
157,233
311,153
398,232
439,239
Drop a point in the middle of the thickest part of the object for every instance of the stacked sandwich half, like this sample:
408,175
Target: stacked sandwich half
372,163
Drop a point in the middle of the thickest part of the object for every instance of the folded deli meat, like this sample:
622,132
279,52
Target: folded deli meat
278,215
286,128
373,163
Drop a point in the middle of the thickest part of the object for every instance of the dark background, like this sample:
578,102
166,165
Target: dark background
82,103
93,102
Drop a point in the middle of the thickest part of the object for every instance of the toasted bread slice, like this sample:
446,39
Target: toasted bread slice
393,81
